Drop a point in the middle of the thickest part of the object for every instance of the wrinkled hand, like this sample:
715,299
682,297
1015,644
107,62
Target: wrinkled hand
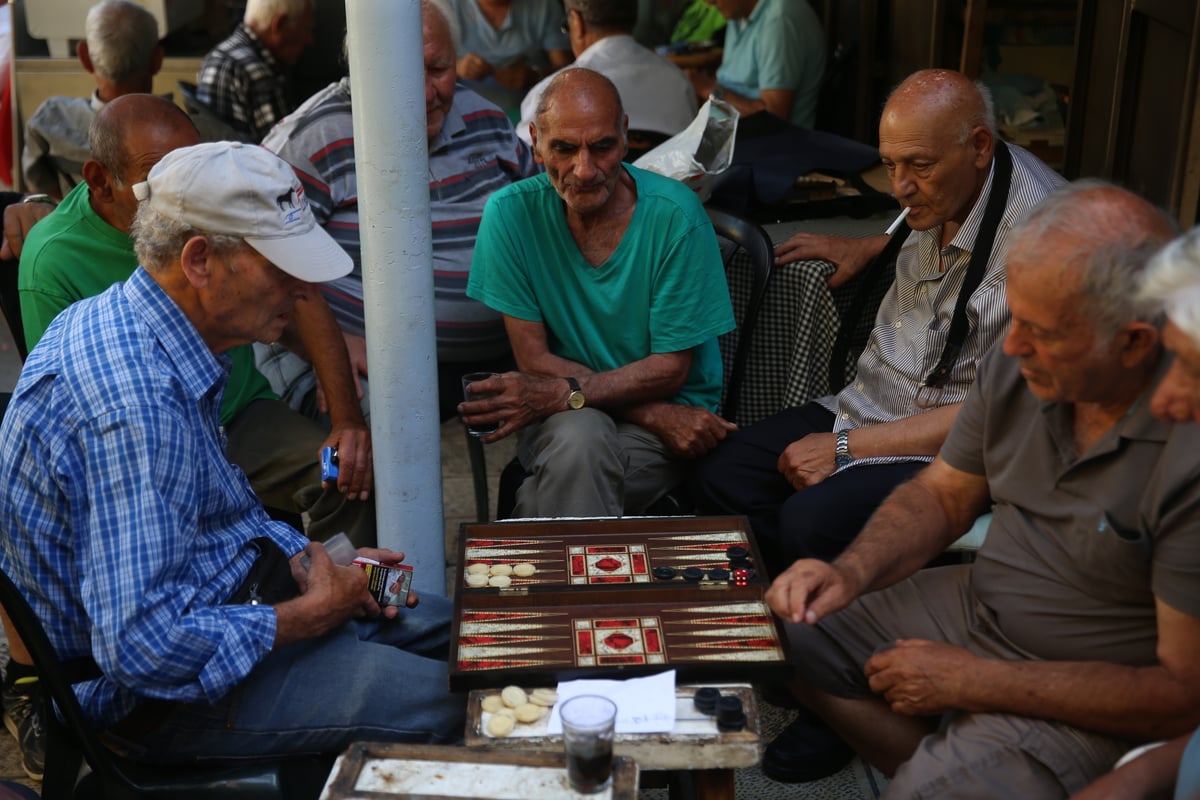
811,589
703,82
810,460
471,67
848,255
390,558
18,219
687,430
341,592
356,468
922,678
519,400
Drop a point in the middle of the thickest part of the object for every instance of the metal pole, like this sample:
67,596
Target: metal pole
387,71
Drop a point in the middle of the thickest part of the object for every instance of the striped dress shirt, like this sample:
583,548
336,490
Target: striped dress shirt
914,316
124,524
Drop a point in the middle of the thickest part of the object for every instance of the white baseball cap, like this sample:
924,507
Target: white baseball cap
245,190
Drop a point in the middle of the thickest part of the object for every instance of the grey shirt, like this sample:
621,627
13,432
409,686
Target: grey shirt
1080,545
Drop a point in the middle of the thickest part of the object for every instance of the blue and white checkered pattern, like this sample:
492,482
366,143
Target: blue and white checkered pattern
124,523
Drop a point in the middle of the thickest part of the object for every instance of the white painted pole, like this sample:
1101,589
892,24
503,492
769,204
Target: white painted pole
387,69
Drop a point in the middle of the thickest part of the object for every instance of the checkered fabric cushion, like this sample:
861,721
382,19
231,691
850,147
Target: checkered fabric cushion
793,340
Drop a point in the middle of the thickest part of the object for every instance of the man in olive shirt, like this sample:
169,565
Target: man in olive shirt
1074,633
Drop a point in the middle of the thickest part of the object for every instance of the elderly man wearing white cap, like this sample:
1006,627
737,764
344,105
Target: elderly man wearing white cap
137,543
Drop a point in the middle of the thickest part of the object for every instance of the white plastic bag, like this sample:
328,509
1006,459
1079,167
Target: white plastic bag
700,152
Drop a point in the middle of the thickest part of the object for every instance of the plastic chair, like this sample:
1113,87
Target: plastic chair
739,235
742,234
211,127
70,743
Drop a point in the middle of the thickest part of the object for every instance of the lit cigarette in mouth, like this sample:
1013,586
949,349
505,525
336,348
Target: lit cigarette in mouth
896,223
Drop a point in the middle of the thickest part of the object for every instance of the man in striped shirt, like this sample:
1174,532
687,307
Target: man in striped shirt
473,151
809,477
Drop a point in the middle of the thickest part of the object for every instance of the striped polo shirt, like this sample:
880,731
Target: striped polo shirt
914,317
475,153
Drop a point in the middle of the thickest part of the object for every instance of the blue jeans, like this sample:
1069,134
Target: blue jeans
367,680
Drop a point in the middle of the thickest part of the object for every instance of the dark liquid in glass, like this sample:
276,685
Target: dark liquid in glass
590,771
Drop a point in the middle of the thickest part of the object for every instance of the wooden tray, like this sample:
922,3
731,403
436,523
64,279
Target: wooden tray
376,770
694,743
571,619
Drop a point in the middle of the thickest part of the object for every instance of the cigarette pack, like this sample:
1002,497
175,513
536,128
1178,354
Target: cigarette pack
388,584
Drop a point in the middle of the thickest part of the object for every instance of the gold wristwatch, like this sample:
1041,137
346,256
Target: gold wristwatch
575,400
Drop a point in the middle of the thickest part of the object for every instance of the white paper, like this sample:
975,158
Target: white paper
644,705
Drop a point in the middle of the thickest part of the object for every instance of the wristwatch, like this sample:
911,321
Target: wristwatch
842,455
575,400
717,93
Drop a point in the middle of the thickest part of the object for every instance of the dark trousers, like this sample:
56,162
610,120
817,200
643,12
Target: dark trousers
742,477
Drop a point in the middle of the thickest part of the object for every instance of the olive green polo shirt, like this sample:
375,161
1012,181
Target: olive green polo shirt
1080,545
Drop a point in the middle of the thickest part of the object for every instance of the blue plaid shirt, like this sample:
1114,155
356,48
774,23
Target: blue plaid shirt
124,524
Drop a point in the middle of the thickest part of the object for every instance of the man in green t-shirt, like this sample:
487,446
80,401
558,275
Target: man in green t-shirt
613,293
84,247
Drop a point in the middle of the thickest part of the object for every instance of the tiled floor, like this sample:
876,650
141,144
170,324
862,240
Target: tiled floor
855,782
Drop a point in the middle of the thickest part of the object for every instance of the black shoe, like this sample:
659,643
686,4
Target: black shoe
807,750
23,718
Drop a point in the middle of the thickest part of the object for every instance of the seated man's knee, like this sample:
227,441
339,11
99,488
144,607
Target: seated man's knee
583,438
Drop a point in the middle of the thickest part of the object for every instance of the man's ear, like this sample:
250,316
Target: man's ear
533,137
195,260
1141,341
97,180
280,26
984,145
81,50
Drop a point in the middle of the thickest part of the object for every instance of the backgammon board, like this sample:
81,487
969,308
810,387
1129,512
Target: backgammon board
612,598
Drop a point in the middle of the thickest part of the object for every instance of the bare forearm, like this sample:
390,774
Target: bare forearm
919,435
654,378
1138,703
909,529
321,338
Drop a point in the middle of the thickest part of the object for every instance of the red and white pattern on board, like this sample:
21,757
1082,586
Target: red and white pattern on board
609,563
619,641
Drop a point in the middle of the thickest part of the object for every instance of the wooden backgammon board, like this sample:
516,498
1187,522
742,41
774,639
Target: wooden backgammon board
611,598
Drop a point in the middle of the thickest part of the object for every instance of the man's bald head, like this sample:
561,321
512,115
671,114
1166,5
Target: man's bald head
581,84
128,137
937,138
128,121
579,134
944,96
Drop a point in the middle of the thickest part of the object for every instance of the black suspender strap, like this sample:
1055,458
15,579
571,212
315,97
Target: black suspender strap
981,254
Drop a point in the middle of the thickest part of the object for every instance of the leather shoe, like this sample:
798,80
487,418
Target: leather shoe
807,750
